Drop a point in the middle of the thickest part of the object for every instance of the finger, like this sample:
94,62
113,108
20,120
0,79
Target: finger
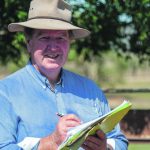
101,135
71,123
72,117
95,140
65,125
91,145
85,147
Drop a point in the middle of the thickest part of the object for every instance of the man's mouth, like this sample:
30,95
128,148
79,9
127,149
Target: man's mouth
52,56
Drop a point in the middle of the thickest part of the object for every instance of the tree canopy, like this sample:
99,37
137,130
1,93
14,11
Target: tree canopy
121,25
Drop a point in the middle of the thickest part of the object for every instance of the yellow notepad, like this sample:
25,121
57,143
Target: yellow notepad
107,122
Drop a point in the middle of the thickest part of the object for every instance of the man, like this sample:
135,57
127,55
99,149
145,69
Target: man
31,97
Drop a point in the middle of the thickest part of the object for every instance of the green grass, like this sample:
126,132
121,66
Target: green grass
136,146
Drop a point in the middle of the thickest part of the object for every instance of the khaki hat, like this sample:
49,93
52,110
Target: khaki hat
49,14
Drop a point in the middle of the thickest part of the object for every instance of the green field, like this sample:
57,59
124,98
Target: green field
136,146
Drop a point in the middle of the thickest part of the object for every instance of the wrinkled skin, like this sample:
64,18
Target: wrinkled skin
48,50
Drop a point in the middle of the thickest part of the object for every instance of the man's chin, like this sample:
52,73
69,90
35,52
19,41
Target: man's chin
52,68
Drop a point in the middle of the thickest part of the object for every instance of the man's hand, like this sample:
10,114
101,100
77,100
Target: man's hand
97,142
65,123
52,141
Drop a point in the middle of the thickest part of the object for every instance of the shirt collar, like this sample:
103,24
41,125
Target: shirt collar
41,79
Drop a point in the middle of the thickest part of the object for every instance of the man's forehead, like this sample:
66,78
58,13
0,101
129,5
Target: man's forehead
51,32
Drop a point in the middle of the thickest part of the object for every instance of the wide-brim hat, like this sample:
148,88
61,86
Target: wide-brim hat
51,15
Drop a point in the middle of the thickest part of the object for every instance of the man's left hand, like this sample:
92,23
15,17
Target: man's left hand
97,142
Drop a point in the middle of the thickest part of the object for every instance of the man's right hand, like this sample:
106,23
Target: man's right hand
65,123
52,141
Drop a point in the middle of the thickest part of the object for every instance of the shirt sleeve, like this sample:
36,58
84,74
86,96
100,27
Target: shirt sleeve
29,143
8,125
120,141
111,144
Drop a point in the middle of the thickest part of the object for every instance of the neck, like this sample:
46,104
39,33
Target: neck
52,76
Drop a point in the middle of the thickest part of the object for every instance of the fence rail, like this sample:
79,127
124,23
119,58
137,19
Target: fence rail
144,90
139,140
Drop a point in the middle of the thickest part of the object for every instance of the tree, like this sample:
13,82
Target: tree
122,25
11,45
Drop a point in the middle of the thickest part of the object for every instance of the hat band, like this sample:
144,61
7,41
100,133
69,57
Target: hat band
42,17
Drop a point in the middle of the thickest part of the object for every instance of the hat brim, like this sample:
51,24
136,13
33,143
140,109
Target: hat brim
50,24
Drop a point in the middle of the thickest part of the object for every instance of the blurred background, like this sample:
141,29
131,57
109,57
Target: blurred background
116,55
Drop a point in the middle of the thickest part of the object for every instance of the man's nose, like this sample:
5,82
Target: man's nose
52,44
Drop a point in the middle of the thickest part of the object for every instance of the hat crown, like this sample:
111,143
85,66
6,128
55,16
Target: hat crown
57,9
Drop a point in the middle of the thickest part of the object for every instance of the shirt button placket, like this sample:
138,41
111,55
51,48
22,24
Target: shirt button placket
60,102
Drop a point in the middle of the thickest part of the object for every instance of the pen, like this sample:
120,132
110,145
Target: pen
60,115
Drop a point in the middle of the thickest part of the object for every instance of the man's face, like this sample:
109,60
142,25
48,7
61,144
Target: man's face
49,49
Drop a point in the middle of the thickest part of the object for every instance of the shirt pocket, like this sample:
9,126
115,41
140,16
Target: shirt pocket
86,109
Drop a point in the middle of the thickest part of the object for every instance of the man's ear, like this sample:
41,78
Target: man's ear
28,42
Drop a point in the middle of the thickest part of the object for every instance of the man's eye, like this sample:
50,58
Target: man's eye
44,38
60,38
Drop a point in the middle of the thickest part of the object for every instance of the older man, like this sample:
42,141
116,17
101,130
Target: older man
31,97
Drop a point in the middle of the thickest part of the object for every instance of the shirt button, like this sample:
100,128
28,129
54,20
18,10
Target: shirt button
44,87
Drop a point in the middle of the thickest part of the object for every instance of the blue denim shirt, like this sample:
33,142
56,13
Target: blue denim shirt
28,106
